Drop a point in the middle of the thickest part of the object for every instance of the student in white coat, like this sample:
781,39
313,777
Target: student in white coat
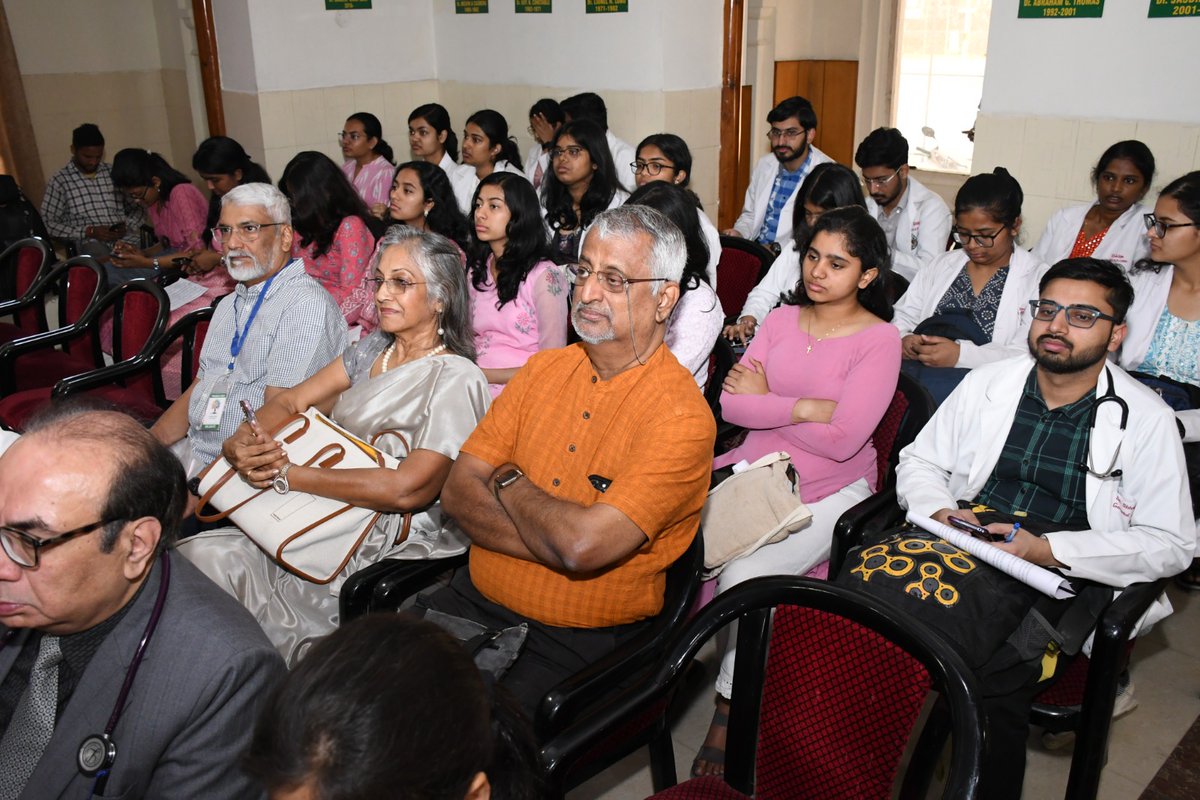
589,105
916,221
828,186
1110,228
1164,322
1124,518
545,118
431,139
771,196
666,157
970,307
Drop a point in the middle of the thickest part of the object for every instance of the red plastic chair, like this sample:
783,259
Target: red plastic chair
28,261
824,711
140,309
742,265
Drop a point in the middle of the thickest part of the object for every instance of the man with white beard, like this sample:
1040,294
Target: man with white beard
277,328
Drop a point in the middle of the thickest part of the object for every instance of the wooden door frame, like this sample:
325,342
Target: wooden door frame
731,112
210,66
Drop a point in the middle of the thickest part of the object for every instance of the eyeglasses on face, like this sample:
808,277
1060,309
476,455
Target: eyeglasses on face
135,195
1160,228
790,133
980,239
573,151
879,183
610,281
394,286
651,168
1077,316
353,136
25,550
246,231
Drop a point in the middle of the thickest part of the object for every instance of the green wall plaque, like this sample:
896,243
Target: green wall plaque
606,6
1060,9
532,6
1174,8
470,6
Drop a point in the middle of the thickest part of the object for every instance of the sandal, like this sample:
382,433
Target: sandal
1189,579
712,755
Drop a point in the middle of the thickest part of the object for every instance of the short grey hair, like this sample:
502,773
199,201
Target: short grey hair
265,196
668,250
445,281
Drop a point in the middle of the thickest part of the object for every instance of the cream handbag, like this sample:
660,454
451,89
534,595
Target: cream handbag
309,535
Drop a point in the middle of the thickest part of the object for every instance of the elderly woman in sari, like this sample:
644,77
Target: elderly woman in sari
414,375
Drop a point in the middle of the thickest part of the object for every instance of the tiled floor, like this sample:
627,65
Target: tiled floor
1166,673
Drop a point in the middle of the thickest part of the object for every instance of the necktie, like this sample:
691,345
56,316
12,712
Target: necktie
32,723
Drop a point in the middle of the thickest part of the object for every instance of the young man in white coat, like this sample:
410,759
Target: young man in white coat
771,196
1038,435
916,221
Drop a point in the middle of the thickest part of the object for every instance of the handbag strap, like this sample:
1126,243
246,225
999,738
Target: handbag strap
328,455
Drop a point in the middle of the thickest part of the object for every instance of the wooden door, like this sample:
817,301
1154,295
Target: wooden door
832,88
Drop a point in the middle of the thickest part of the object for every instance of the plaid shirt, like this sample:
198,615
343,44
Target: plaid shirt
1038,472
786,184
74,201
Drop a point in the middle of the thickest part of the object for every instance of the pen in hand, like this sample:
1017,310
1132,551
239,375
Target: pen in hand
1012,534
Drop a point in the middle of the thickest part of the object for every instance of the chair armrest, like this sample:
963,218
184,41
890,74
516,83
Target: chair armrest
354,599
102,376
873,515
407,578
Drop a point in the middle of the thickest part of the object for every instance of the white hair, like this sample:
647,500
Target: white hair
263,195
668,250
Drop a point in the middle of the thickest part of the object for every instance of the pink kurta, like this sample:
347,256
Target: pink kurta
181,219
343,269
373,182
536,319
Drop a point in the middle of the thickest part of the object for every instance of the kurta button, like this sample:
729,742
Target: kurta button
571,448
556,481
594,379
587,415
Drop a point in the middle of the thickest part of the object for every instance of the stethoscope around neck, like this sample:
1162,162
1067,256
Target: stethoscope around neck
1109,396
98,752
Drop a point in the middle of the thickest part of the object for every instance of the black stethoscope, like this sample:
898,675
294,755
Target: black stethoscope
1107,397
98,752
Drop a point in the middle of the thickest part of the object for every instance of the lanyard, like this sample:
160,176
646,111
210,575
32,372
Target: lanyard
239,339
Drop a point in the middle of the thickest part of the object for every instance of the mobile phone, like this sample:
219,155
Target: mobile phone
977,531
117,228
248,410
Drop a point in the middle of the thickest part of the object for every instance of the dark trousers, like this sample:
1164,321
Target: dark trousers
550,655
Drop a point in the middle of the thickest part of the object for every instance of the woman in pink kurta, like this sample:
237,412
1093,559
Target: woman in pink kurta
518,297
332,236
814,383
368,165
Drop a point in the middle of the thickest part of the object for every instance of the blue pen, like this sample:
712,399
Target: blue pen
1011,534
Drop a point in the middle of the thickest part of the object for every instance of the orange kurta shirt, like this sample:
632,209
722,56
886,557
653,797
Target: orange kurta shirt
647,430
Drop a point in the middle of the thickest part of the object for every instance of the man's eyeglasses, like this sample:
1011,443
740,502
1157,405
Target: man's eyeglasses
25,550
651,168
574,151
610,281
1160,228
353,136
879,183
980,239
790,133
247,231
394,286
1077,316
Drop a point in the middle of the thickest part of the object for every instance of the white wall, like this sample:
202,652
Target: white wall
54,37
664,45
1120,66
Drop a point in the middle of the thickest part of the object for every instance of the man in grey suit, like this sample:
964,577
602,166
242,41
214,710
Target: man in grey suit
89,500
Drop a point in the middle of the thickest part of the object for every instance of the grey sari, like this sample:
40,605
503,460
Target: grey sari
434,403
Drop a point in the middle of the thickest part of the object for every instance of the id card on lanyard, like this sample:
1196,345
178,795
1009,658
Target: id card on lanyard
217,397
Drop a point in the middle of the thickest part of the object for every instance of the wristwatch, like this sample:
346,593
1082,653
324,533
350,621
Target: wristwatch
506,480
157,266
280,482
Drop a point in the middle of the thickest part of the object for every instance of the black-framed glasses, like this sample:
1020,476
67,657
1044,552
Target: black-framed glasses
962,237
610,281
879,183
574,151
1160,228
25,550
248,231
789,133
394,285
651,168
137,198
1077,316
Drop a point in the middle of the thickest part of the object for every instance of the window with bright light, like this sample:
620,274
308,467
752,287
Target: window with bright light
941,55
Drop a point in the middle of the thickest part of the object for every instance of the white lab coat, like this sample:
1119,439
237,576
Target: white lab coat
1124,244
782,277
921,232
623,155
712,237
1150,290
758,195
1141,518
535,156
462,180
1012,317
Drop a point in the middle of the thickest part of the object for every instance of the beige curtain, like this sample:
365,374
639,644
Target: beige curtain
18,150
